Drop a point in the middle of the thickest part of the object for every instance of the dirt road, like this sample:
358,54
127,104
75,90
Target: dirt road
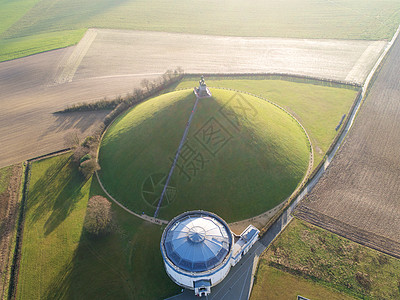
358,196
111,63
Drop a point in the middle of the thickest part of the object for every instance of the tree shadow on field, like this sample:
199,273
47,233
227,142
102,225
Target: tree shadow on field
56,191
95,271
81,121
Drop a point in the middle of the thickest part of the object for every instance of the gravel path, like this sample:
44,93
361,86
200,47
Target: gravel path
183,140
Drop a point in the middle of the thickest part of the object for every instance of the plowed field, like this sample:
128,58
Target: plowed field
358,197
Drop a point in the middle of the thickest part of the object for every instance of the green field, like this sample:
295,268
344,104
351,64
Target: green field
272,284
243,156
314,257
318,108
61,23
59,261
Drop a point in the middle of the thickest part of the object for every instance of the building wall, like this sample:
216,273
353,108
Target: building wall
187,280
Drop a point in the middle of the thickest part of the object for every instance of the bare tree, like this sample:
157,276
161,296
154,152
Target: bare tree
145,83
98,219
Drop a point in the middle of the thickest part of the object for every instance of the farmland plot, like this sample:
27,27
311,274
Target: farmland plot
132,53
358,196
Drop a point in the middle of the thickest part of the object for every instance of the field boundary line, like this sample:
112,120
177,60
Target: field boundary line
16,261
69,65
348,231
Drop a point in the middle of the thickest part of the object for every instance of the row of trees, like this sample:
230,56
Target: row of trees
85,152
148,88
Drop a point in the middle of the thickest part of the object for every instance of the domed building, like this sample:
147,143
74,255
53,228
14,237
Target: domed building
199,249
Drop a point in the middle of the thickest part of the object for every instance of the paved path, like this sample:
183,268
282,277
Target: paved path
185,133
143,216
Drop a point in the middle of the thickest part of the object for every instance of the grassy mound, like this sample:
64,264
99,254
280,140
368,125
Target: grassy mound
242,156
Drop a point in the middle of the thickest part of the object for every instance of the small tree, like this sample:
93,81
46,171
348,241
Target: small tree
98,220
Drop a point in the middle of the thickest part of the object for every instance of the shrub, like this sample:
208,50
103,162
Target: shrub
89,141
98,220
88,167
84,158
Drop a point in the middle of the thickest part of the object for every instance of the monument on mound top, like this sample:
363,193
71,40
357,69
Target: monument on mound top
202,91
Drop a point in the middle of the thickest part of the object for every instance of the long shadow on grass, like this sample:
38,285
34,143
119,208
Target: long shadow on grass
57,190
126,264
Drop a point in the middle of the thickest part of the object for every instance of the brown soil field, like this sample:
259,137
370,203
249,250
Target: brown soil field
28,99
358,196
108,63
132,53
9,209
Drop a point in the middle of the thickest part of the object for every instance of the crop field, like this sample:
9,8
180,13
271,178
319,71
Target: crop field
123,53
28,126
60,261
27,29
10,184
242,157
318,264
319,108
358,196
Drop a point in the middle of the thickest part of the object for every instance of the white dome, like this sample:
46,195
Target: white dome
197,241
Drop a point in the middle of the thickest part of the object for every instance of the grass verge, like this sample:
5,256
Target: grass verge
10,198
60,261
312,256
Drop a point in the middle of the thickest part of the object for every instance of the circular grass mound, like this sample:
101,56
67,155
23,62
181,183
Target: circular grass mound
242,156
